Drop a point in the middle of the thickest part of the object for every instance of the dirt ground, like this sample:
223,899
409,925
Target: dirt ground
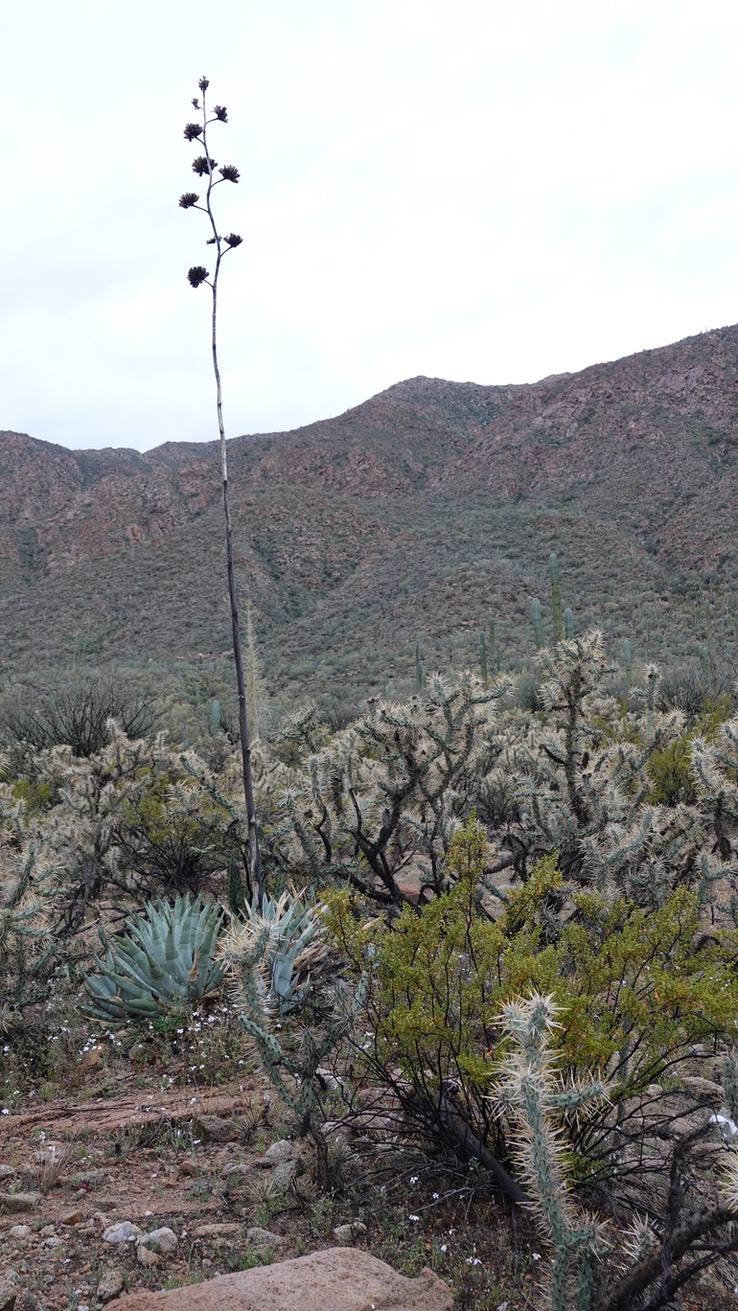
193,1161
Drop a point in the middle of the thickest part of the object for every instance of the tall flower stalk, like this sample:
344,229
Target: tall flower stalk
207,168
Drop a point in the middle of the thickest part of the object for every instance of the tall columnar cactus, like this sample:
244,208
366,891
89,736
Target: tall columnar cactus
568,624
493,656
215,716
483,665
556,610
628,658
537,618
419,670
532,1094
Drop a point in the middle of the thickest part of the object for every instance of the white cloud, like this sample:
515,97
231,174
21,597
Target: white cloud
483,190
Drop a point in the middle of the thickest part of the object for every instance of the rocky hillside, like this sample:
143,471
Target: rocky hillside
422,513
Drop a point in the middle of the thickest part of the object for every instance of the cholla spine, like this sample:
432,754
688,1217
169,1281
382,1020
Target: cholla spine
529,1090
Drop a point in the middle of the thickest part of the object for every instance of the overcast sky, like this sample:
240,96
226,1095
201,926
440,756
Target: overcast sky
484,190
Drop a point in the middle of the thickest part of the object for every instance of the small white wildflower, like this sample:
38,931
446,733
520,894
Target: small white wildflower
413,1217
435,1197
536,1256
443,1247
413,1178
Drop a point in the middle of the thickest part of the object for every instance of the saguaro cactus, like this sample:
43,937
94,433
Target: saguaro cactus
537,618
557,614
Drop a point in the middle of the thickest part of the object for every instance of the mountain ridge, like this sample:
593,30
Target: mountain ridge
422,512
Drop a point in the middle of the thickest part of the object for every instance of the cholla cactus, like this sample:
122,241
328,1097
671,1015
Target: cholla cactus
530,1092
295,1074
293,943
29,953
575,781
117,823
715,765
387,791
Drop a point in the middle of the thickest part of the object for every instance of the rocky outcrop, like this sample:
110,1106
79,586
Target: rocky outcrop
337,1279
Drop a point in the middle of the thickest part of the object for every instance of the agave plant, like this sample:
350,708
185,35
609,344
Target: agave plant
163,962
290,940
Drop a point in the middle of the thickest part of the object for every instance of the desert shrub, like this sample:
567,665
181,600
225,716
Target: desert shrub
76,715
634,994
670,772
133,820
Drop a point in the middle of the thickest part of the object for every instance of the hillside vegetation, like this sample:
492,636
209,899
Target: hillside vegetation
499,947
489,995
419,515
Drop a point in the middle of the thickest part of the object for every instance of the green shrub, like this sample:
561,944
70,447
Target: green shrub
635,994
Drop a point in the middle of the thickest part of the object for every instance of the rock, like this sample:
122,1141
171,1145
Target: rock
47,1231
110,1284
160,1240
337,1279
72,1217
7,1172
214,1129
187,1168
125,1232
146,1258
8,1294
264,1237
226,1229
684,1125
52,1242
283,1174
706,1088
346,1234
283,1150
234,1171
20,1231
19,1201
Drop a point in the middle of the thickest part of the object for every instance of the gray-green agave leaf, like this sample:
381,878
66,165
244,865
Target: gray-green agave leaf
277,946
163,963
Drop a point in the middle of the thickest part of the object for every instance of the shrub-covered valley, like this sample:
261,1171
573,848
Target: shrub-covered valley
483,1019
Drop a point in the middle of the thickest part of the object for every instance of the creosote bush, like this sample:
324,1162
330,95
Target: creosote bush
635,996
